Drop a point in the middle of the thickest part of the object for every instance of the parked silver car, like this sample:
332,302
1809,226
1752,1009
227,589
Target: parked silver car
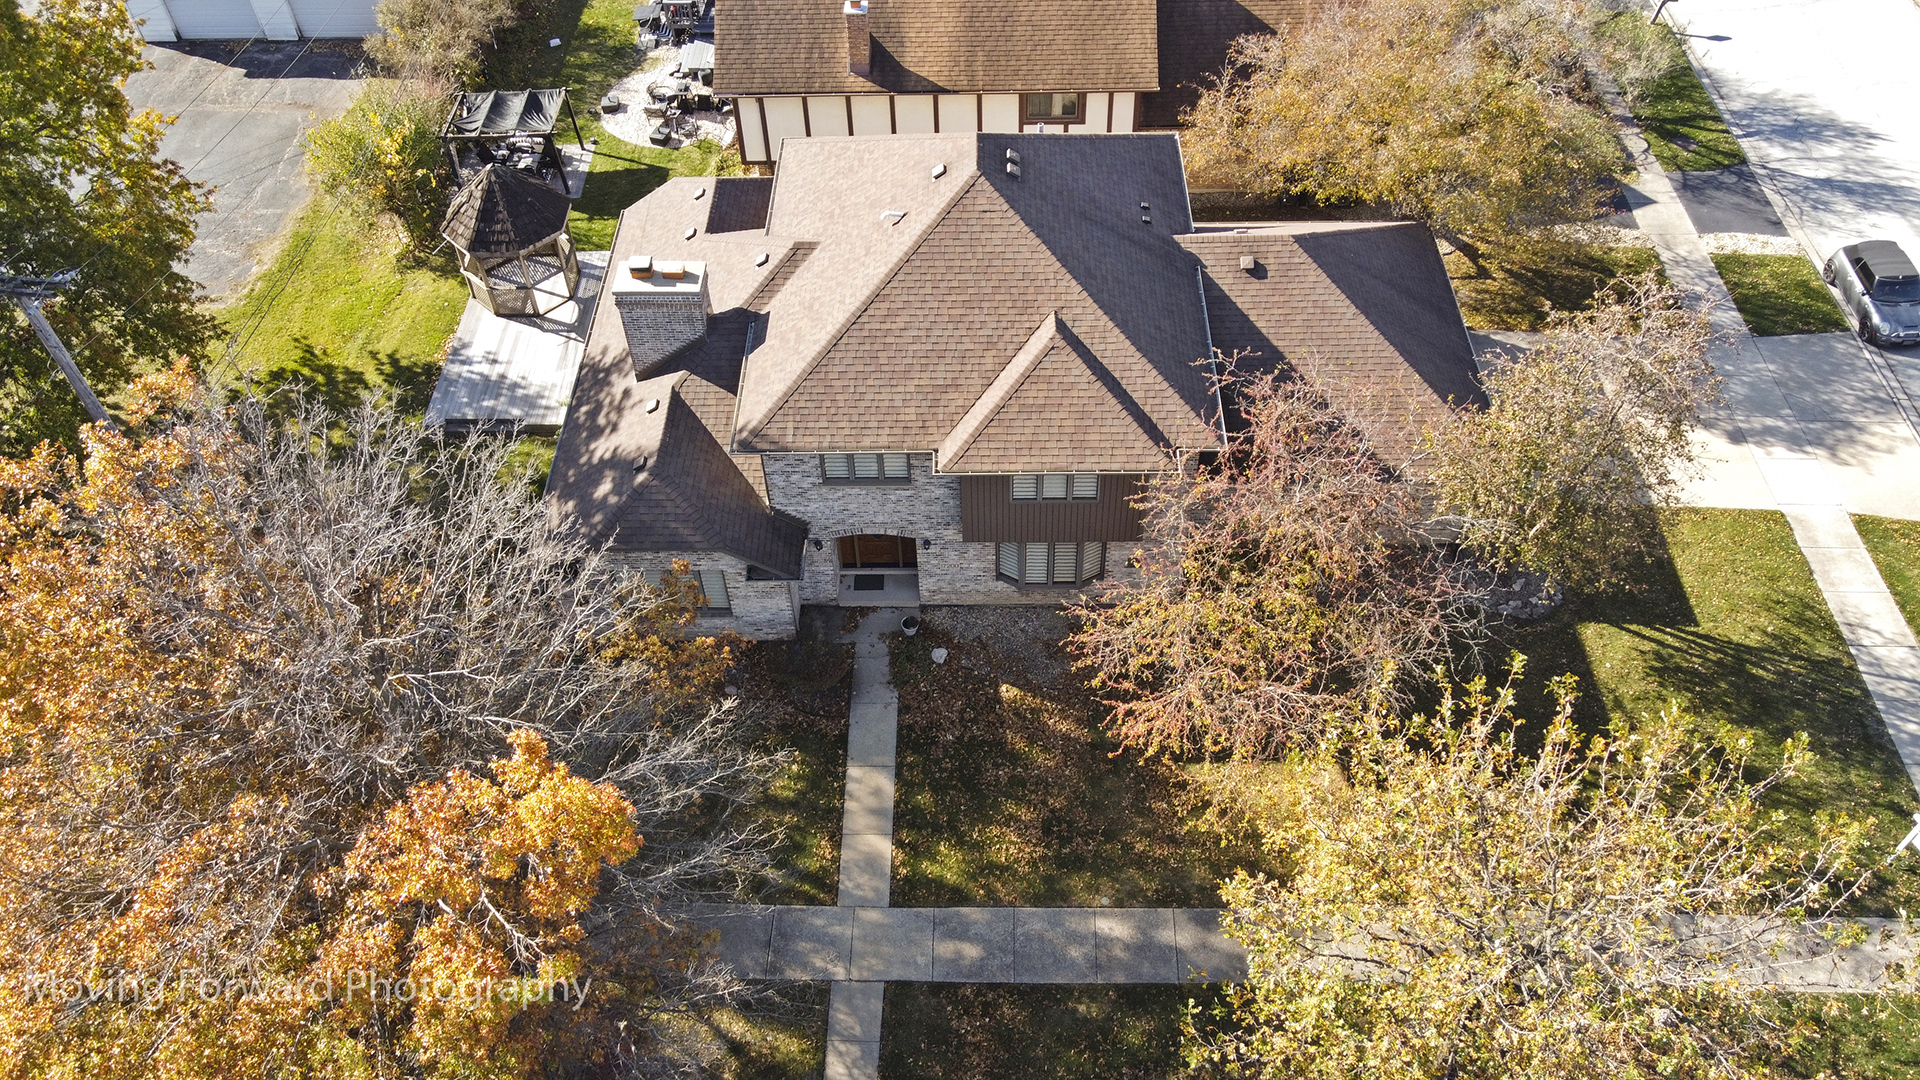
1882,290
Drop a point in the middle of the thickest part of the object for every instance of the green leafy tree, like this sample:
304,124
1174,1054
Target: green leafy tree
383,155
1469,115
82,186
1588,433
1456,905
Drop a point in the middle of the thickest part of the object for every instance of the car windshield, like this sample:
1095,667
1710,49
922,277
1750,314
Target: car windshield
1897,290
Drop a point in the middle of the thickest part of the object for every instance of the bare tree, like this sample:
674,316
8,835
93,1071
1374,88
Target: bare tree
1588,433
234,646
1276,582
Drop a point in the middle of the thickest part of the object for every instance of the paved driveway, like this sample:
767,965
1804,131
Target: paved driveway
1825,96
242,109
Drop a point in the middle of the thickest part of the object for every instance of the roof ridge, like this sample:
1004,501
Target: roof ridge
853,314
1000,391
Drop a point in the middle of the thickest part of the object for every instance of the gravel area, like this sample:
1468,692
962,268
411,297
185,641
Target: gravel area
1030,637
633,124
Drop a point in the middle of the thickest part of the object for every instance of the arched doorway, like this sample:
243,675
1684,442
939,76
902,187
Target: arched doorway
879,569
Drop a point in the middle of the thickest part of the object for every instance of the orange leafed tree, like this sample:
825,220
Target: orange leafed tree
250,679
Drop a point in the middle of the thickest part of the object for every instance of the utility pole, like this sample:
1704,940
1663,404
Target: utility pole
29,293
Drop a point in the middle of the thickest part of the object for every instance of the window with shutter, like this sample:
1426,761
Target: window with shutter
714,587
1057,564
1056,486
865,468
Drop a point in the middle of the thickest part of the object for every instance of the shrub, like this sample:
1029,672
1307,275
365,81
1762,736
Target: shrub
436,40
384,154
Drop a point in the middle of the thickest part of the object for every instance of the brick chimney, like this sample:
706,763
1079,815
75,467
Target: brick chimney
663,309
859,39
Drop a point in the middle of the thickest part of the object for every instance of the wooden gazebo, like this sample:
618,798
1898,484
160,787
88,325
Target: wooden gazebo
510,229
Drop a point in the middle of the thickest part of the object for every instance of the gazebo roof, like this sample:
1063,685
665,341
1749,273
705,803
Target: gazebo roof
503,212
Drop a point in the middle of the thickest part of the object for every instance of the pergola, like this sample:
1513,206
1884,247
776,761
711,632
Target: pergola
510,230
509,127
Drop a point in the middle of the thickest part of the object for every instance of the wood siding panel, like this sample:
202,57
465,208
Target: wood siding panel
989,513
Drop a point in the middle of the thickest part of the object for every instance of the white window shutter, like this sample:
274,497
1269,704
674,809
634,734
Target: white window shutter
714,585
836,466
894,466
1026,486
866,466
1010,561
1036,564
1086,485
1053,485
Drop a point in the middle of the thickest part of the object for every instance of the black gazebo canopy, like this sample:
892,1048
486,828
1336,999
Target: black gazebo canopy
509,127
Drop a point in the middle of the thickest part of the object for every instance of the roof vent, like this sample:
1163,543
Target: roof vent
653,405
689,234
640,463
1013,169
700,193
1145,220
762,259
1013,155
859,39
893,217
1249,263
663,313
940,170
1145,207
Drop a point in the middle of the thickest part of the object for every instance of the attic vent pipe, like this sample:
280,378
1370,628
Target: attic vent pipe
859,39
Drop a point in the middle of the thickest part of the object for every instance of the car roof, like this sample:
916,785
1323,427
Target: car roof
1886,260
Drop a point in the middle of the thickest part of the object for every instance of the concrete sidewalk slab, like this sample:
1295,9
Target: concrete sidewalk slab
869,801
973,945
1728,477
1874,467
1054,945
1204,951
1726,201
1828,377
812,943
1136,945
893,944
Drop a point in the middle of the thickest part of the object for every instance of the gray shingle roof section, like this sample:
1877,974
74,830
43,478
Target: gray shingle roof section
935,46
1365,307
674,488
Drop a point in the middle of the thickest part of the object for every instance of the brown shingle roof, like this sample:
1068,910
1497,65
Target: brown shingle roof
1364,307
1055,408
933,46
890,333
1194,37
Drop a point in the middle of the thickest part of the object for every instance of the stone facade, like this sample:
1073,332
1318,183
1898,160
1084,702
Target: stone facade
926,507
761,610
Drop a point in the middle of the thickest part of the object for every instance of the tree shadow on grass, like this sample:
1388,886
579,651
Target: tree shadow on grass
341,387
1521,288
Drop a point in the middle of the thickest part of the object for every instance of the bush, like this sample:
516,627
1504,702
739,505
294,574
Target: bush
436,40
385,154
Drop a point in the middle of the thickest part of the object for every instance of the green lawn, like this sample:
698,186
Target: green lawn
1683,128
1011,796
1895,545
1857,1038
597,50
1779,294
345,313
965,1031
1519,290
1735,628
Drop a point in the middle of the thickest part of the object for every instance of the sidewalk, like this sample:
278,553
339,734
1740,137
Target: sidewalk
1818,439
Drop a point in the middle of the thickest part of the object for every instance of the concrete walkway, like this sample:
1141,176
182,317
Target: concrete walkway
1822,438
810,942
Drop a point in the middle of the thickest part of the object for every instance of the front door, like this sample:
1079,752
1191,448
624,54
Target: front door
879,569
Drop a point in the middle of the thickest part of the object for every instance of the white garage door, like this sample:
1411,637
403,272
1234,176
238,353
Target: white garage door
335,18
214,19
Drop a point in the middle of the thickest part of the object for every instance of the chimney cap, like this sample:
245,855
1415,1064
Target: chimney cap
854,7
664,277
